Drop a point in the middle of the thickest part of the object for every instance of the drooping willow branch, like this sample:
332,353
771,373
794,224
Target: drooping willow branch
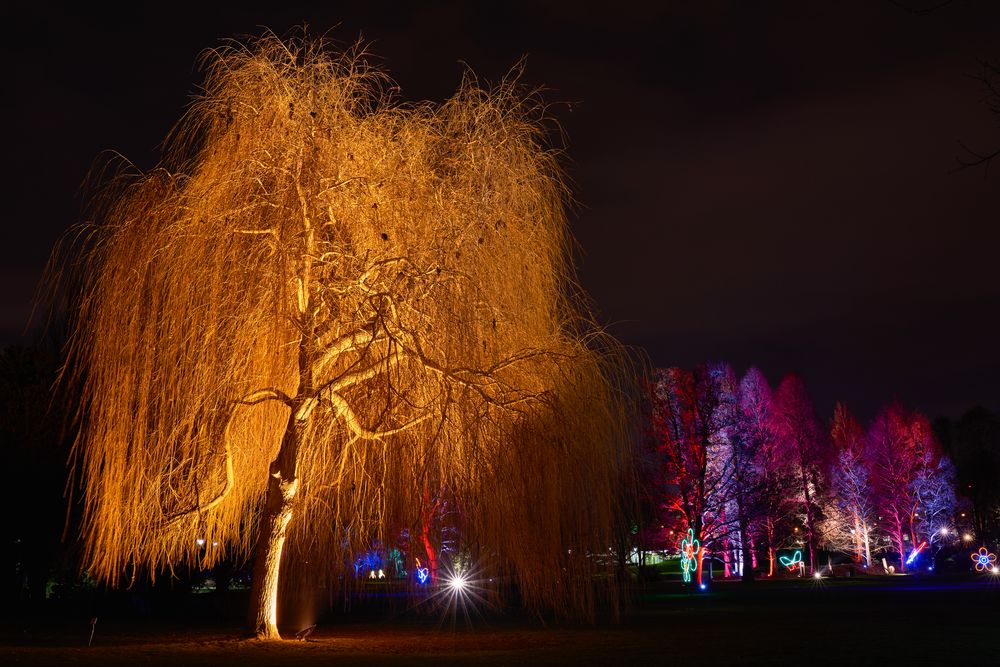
398,278
269,394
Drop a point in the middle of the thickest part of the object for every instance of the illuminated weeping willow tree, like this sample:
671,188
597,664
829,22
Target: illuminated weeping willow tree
324,311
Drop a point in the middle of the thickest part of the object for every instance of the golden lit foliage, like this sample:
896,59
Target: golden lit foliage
397,276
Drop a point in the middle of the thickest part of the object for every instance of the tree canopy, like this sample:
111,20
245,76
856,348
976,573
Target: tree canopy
372,302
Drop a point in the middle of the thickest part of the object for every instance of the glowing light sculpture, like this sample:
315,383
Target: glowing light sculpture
984,560
423,573
794,562
690,549
916,552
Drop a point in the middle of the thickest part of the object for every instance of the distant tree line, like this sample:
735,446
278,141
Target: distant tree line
756,475
754,472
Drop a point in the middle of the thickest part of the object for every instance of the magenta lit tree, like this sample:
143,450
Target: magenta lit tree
799,440
750,445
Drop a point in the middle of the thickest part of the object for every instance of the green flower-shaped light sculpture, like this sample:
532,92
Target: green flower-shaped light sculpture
690,549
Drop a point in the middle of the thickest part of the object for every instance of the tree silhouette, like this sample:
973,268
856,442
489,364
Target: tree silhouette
973,443
324,311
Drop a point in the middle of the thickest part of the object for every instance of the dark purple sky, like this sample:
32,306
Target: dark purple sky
765,186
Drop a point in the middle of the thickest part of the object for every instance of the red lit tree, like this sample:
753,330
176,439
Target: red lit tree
896,443
799,444
689,430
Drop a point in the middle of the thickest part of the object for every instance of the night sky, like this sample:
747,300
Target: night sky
768,186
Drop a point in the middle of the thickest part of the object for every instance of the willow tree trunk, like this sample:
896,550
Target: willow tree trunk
282,486
283,482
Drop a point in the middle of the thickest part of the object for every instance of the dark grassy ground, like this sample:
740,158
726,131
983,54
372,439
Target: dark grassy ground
897,620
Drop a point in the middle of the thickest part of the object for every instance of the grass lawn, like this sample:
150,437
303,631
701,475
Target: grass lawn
891,620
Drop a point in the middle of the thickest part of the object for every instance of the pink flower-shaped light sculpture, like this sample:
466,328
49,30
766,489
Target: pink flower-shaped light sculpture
983,559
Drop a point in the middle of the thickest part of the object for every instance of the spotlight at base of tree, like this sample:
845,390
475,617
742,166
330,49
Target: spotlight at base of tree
817,575
994,570
461,589
457,582
703,586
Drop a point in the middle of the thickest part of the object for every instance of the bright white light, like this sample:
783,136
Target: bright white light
944,531
817,575
457,582
967,537
995,570
200,542
703,586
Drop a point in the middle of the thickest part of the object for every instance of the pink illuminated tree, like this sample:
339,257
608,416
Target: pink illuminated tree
750,445
896,444
799,445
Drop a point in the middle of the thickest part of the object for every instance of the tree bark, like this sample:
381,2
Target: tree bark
748,565
810,538
858,548
771,552
868,553
900,545
281,490
727,569
425,535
